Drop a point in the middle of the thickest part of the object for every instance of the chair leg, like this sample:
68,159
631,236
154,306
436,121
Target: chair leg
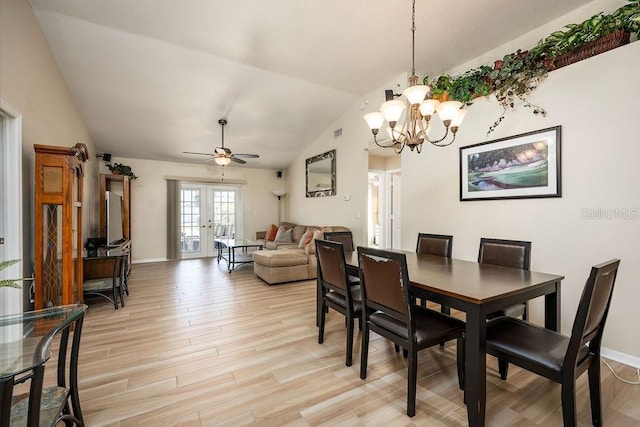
525,315
445,310
396,347
503,368
364,351
594,392
460,352
349,340
323,314
412,366
569,402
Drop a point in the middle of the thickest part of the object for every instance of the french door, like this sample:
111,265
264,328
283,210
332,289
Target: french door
208,211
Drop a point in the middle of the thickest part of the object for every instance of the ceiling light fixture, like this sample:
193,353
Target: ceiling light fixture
223,161
419,111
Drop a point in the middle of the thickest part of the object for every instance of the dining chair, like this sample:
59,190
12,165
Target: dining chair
388,311
434,244
507,253
338,290
438,245
557,357
344,237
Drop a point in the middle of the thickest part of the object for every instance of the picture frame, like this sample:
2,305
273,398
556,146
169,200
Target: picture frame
516,167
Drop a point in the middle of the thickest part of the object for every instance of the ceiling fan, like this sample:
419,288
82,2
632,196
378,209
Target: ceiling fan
222,155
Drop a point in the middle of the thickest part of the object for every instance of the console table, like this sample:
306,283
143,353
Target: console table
24,360
106,271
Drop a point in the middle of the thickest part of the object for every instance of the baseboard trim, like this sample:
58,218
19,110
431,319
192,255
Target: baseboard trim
142,261
626,359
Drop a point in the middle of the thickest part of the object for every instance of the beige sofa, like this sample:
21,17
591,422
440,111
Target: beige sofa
281,262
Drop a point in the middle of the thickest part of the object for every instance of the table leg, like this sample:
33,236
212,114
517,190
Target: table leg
476,366
231,254
552,311
6,391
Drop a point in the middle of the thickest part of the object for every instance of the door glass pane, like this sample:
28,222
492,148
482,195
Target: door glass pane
224,212
190,219
52,256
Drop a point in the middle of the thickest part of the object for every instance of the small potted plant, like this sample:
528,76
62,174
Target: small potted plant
121,169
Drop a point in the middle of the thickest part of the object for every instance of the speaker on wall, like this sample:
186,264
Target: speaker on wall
106,157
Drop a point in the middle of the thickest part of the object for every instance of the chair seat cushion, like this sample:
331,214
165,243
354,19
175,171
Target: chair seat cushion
531,343
340,300
430,325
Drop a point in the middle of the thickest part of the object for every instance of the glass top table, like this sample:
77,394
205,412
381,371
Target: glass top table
233,256
35,331
25,347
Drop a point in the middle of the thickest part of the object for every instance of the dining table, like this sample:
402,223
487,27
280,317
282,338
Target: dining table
478,290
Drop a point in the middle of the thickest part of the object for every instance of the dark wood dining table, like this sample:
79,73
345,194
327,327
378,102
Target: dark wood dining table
478,290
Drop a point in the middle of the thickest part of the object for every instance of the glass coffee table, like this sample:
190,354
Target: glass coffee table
237,251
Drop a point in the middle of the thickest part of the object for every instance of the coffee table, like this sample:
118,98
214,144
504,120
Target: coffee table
233,256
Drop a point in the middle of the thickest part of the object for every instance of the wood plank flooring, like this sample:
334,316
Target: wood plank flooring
197,346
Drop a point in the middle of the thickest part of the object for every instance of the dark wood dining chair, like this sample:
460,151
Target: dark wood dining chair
344,237
557,357
438,245
339,291
388,311
507,253
434,244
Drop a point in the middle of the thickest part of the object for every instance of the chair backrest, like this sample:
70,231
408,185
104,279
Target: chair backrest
331,264
593,309
507,253
344,237
434,244
385,282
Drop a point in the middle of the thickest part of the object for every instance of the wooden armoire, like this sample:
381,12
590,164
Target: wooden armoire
59,173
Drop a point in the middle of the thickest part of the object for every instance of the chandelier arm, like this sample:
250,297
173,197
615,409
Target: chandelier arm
444,145
375,139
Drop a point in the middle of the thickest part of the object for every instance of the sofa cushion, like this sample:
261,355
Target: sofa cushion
298,232
281,258
271,232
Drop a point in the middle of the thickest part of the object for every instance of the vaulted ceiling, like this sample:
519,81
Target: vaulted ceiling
151,78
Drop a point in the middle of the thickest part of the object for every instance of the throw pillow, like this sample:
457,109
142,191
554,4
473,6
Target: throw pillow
283,235
271,232
303,239
316,234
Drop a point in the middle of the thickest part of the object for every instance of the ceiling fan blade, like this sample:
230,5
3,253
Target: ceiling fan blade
234,159
223,150
202,154
247,156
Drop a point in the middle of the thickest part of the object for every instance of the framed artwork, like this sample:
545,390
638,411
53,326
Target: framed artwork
516,167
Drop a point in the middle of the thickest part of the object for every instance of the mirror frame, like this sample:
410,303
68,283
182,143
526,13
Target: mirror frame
321,193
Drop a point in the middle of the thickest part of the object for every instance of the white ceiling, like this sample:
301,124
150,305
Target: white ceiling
151,78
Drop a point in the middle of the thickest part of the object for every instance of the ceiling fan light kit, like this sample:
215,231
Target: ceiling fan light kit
222,155
414,131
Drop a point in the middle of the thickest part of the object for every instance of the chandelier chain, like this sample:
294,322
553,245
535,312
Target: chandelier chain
413,38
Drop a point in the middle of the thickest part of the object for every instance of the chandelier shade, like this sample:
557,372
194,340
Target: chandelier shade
419,111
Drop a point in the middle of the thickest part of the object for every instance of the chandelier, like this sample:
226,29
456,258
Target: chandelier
419,112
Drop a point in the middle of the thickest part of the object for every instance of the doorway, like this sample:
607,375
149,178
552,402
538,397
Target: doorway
207,212
384,218
11,300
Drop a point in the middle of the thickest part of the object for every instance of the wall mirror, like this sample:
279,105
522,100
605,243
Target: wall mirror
321,175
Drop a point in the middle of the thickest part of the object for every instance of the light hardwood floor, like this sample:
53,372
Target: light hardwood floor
197,346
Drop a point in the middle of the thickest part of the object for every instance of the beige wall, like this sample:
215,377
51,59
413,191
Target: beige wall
31,83
149,200
594,102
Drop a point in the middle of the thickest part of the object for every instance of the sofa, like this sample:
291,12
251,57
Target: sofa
281,262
